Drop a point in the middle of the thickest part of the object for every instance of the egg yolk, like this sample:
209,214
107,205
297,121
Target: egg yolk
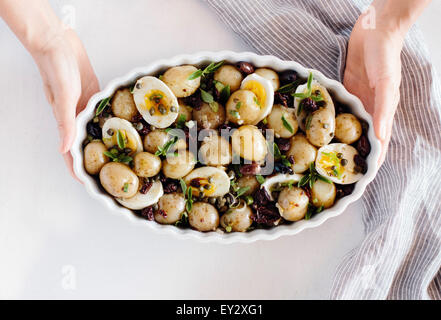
331,164
156,103
258,89
203,185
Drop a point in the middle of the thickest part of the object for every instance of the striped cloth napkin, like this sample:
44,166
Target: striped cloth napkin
400,257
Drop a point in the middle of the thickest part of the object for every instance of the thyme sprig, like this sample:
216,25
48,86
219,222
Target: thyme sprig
212,67
311,177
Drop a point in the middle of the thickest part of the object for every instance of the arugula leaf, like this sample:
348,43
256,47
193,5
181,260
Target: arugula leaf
103,104
286,124
260,179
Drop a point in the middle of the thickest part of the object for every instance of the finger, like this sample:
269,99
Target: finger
386,100
69,163
65,115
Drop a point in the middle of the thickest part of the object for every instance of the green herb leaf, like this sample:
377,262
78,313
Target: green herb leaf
195,75
286,124
126,187
103,104
319,209
228,229
308,122
238,105
183,186
260,179
189,201
257,102
304,180
225,94
241,191
234,113
265,121
124,159
120,140
183,221
163,151
110,155
285,161
181,121
214,106
309,84
206,96
324,179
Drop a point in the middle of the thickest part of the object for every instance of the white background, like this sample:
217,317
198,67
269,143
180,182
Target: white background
53,235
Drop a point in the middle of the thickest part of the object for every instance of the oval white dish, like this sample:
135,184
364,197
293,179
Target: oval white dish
337,89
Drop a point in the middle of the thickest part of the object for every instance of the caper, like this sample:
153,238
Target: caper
152,111
343,162
173,109
127,150
333,168
138,85
110,132
207,186
325,126
161,109
339,155
139,126
212,200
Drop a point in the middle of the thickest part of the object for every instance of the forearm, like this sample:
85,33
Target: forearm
398,16
33,22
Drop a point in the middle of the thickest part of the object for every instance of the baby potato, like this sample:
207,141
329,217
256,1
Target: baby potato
321,129
119,180
94,158
203,217
269,75
146,165
303,152
178,166
248,181
293,203
249,143
184,110
323,194
207,118
276,122
229,75
173,205
242,107
215,151
347,128
123,106
176,79
238,219
157,138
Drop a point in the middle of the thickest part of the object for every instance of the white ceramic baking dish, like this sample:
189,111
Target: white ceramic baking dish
337,89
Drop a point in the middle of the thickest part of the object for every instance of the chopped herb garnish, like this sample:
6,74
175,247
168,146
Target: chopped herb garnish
189,200
260,179
308,121
238,105
116,157
257,102
103,104
212,67
120,139
206,96
228,229
181,121
214,106
311,177
183,186
183,221
241,191
288,88
126,187
286,124
308,93
234,113
163,151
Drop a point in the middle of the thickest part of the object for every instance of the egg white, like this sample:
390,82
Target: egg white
141,91
280,178
267,104
140,201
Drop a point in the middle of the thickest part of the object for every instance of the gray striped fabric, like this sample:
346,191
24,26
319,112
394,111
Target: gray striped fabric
400,257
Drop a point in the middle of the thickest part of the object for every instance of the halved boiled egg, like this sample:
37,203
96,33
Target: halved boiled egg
210,181
280,180
335,161
264,91
316,89
131,137
155,102
140,200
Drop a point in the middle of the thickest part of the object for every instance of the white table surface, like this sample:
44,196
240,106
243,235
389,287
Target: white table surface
56,242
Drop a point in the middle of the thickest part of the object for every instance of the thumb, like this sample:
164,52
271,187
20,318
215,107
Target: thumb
386,101
65,116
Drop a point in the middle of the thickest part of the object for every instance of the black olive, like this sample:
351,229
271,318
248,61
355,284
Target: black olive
288,76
